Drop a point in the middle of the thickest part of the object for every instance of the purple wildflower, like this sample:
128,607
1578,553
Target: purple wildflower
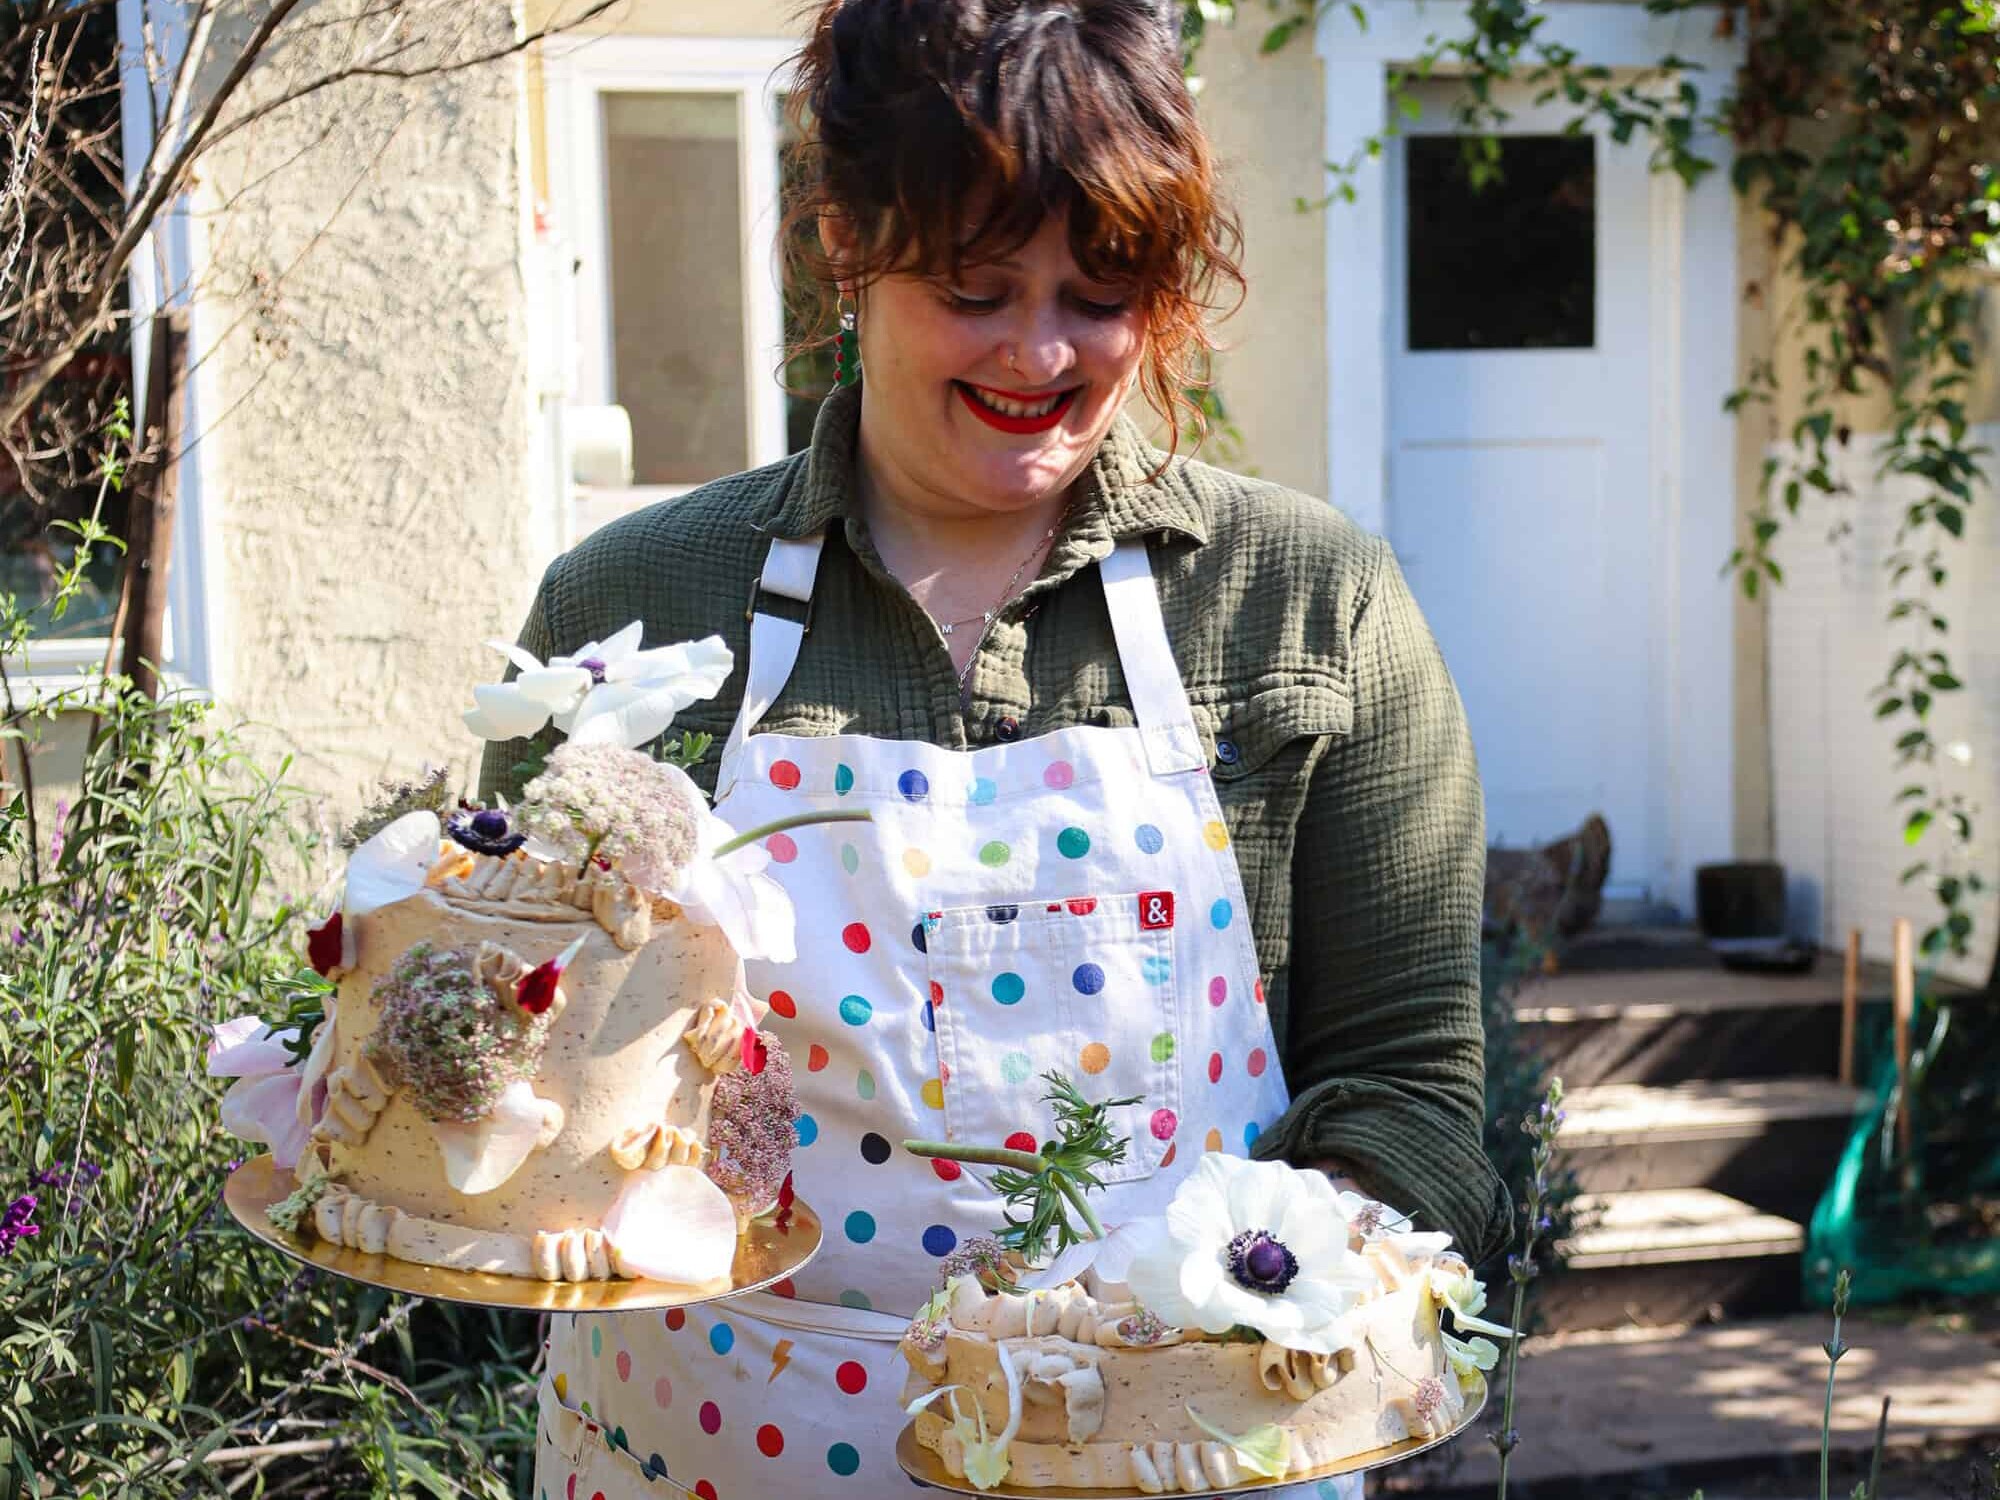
56,835
751,1130
17,1222
69,1179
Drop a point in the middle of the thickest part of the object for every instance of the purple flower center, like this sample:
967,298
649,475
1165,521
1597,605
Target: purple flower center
594,667
485,831
1261,1263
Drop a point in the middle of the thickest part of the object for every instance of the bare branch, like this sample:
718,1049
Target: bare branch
23,146
363,70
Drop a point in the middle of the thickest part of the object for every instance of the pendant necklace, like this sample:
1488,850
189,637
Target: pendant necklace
985,618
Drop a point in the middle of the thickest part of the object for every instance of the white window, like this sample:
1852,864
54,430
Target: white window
160,273
663,158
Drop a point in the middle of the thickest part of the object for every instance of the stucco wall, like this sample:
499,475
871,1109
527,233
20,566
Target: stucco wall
367,466
1264,118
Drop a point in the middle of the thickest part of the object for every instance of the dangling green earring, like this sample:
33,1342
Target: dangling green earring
846,346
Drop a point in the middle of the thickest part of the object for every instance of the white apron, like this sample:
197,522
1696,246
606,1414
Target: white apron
1066,902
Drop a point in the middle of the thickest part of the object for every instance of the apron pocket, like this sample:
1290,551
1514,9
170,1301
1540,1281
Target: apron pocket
1081,985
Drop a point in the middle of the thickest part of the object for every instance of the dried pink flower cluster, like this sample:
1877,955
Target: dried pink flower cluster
618,805
446,1038
751,1129
982,1256
1142,1327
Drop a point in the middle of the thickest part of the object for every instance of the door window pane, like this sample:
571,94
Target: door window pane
674,218
1512,265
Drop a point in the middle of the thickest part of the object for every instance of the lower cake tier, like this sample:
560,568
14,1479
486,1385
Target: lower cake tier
341,1217
1089,1409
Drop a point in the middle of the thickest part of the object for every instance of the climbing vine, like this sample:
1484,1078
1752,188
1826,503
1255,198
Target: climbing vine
1865,130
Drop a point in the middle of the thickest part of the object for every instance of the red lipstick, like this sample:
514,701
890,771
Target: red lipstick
1019,426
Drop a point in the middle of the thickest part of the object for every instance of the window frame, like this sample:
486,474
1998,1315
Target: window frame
578,72
162,272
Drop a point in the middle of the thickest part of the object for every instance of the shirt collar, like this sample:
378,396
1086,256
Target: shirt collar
1118,497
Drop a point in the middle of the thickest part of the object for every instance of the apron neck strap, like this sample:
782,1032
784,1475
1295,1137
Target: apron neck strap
789,570
1146,655
1159,699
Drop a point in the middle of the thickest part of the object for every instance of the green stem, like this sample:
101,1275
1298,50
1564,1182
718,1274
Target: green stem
1070,1191
1506,1444
978,1156
1833,1353
796,820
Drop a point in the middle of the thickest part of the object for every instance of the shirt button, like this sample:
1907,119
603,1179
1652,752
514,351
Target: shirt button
1226,752
1008,728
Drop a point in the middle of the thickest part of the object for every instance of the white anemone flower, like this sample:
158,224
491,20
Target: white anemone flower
604,692
1255,1244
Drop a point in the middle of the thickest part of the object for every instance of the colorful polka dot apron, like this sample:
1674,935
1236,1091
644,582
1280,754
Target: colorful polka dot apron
1069,902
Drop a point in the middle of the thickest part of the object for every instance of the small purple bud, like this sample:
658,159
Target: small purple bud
594,667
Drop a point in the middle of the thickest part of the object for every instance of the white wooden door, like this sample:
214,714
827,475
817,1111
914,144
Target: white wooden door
1519,470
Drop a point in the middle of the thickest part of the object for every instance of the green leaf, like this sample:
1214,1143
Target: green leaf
1265,1450
103,1363
1915,824
1887,707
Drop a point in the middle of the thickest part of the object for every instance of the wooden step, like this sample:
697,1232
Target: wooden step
1675,1025
1773,1142
1683,1255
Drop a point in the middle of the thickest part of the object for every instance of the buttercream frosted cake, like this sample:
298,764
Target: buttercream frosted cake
1266,1327
539,1059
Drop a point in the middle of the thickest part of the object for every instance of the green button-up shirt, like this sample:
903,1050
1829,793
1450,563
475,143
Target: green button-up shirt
1335,737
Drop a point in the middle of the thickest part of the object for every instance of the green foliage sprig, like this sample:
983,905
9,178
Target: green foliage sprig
1043,1188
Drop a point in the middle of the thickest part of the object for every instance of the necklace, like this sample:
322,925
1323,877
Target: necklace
986,617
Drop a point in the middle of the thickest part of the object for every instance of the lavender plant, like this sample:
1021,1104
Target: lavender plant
148,1347
1542,1126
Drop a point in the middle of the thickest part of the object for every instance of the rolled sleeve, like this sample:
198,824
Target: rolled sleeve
1385,1043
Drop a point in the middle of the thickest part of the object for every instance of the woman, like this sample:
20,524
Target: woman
1114,713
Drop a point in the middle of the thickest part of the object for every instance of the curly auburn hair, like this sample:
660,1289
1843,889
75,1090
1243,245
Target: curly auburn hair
946,131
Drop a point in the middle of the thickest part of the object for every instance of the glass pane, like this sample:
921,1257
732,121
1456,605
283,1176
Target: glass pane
675,223
1511,265
64,436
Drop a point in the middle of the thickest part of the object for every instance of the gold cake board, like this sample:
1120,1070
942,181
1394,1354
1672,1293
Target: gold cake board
924,1466
765,1253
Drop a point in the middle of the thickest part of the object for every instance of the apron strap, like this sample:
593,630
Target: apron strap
1159,698
789,570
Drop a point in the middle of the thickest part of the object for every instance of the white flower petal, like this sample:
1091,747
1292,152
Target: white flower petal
627,714
481,1155
558,688
751,908
518,655
318,1063
266,1110
1125,1241
392,865
482,726
673,1225
1067,1265
247,1048
621,645
505,712
1258,1192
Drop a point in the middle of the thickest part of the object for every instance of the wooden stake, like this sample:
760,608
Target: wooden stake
1850,1001
1903,1016
153,497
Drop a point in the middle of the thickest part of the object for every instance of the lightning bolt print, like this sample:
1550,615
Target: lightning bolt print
781,1356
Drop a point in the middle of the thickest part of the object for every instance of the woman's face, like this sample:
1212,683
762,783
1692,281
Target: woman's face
988,392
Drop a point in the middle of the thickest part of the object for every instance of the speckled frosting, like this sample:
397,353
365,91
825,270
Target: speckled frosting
624,1066
1105,1390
